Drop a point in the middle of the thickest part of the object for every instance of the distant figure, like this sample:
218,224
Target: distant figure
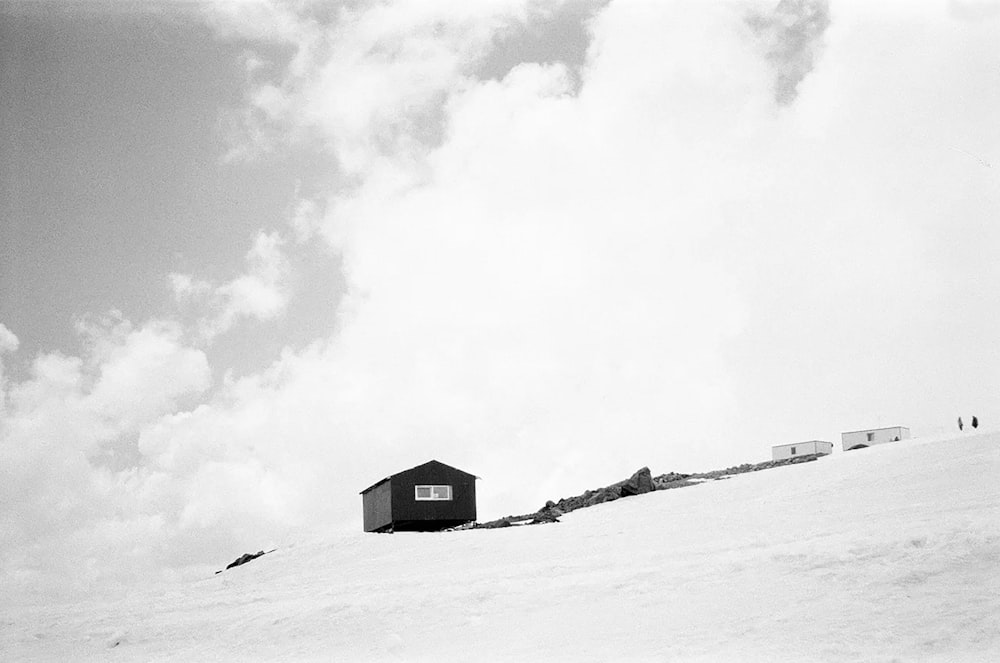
975,422
960,423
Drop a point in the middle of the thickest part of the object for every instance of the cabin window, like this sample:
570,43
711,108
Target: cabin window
433,493
793,451
871,436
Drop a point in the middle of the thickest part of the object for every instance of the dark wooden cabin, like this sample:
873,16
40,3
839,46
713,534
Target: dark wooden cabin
426,498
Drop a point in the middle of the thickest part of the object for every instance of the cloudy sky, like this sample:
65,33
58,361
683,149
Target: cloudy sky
255,256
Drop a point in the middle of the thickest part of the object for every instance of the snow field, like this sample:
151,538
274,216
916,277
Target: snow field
885,554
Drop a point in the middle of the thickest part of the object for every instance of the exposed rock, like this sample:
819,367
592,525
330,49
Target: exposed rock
756,467
609,494
670,477
547,516
244,558
672,480
550,510
639,483
117,638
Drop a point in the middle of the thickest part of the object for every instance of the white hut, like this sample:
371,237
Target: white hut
859,439
783,451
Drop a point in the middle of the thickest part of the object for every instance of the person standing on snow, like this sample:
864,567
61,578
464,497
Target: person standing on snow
960,423
975,422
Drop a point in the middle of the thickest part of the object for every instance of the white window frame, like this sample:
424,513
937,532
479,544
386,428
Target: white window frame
434,497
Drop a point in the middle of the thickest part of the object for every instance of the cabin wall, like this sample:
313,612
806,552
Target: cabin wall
876,435
784,451
460,509
377,504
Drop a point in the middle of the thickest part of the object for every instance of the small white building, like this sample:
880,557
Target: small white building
783,451
859,439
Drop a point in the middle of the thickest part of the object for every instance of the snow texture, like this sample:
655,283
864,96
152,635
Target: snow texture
890,553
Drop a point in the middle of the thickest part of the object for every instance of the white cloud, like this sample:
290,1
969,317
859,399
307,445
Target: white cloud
8,341
305,219
187,288
145,375
369,77
261,293
61,423
8,344
260,20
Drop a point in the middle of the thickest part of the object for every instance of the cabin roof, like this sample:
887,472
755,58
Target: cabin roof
381,481
872,430
794,444
375,485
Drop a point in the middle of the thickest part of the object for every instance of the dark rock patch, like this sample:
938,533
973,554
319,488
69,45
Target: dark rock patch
244,558
638,484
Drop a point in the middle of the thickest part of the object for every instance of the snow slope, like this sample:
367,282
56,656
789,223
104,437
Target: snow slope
886,554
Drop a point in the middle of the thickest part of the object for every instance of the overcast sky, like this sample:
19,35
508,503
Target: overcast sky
257,255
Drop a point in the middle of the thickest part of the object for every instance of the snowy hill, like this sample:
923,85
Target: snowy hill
886,554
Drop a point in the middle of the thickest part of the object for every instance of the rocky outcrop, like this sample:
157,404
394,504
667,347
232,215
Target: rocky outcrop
755,467
672,480
244,558
639,483
546,516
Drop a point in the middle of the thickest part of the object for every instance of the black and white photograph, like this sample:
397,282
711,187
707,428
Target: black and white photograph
500,330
